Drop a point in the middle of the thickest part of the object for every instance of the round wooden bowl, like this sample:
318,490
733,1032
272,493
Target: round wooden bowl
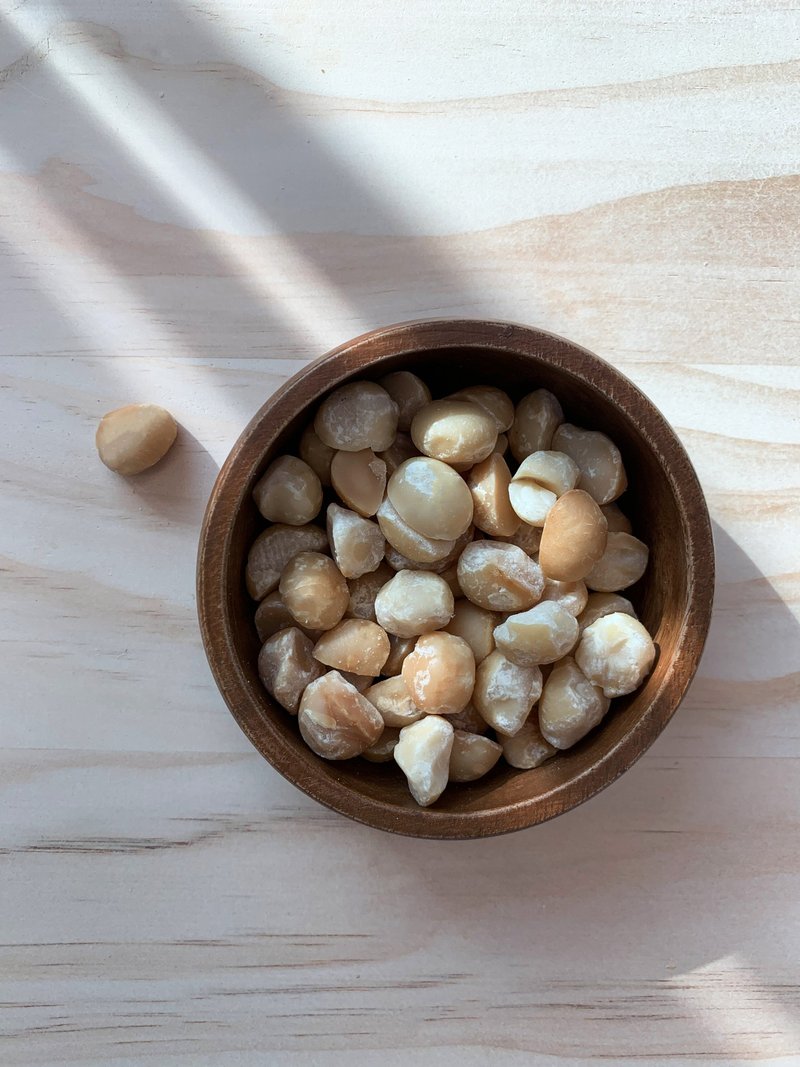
664,501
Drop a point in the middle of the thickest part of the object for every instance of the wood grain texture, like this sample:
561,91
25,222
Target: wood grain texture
196,200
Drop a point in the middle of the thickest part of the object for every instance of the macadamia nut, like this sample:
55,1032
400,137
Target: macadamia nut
135,437
431,497
316,454
365,589
623,563
440,674
414,546
601,604
399,648
356,416
499,576
410,394
535,421
570,706
544,634
414,602
383,749
335,720
454,431
505,692
357,545
472,756
572,596
286,666
527,748
602,472
617,653
423,755
360,480
355,645
314,590
289,492
489,483
493,401
573,538
272,550
393,701
474,625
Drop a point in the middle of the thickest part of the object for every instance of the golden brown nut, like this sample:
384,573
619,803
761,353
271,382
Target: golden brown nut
135,437
354,645
314,590
410,394
272,615
544,634
400,647
493,401
570,705
335,720
472,756
289,492
394,702
489,482
505,692
623,563
573,538
454,431
616,653
617,522
357,544
535,421
600,604
474,625
499,577
423,754
414,602
572,596
440,674
602,472
286,666
405,540
527,748
355,416
360,480
431,497
316,454
401,449
383,749
272,550
363,591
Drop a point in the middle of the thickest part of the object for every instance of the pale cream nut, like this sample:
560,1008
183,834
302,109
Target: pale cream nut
617,653
454,431
493,401
383,749
475,625
600,604
499,576
535,421
394,702
357,545
505,693
335,720
573,538
623,563
414,602
552,470
316,454
489,482
135,437
414,546
531,502
423,755
286,666
472,756
272,550
572,596
432,498
440,674
602,471
544,634
314,590
570,706
355,416
288,492
410,394
527,748
360,480
363,591
354,645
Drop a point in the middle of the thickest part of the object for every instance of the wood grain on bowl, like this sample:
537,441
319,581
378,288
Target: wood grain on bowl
673,599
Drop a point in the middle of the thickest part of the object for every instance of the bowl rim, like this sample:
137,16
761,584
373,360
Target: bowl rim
408,338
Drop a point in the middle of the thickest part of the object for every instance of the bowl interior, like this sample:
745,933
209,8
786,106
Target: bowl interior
592,395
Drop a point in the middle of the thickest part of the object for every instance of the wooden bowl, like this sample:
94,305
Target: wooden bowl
673,600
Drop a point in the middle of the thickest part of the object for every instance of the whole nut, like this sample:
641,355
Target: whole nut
544,634
360,480
272,550
314,590
355,416
489,483
405,540
288,492
423,754
286,666
440,674
535,421
494,402
394,702
357,545
622,564
527,748
335,720
570,706
617,653
574,537
472,756
454,431
475,626
354,645
505,692
410,394
602,472
135,437
414,602
499,576
600,604
431,497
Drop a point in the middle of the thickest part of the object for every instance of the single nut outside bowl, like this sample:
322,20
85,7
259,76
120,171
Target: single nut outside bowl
673,599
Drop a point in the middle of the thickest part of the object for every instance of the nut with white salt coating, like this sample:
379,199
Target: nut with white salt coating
135,437
489,483
505,693
602,471
355,416
499,576
573,538
363,591
355,645
570,706
335,720
423,755
404,539
474,625
623,563
617,653
414,602
527,748
360,480
440,674
410,394
272,550
494,402
289,492
544,634
286,665
357,545
314,590
383,749
535,421
600,604
394,702
316,454
454,431
431,497
472,756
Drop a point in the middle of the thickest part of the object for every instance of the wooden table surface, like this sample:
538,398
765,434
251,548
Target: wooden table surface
195,200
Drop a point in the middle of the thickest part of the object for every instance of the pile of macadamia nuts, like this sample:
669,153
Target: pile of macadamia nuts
457,605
